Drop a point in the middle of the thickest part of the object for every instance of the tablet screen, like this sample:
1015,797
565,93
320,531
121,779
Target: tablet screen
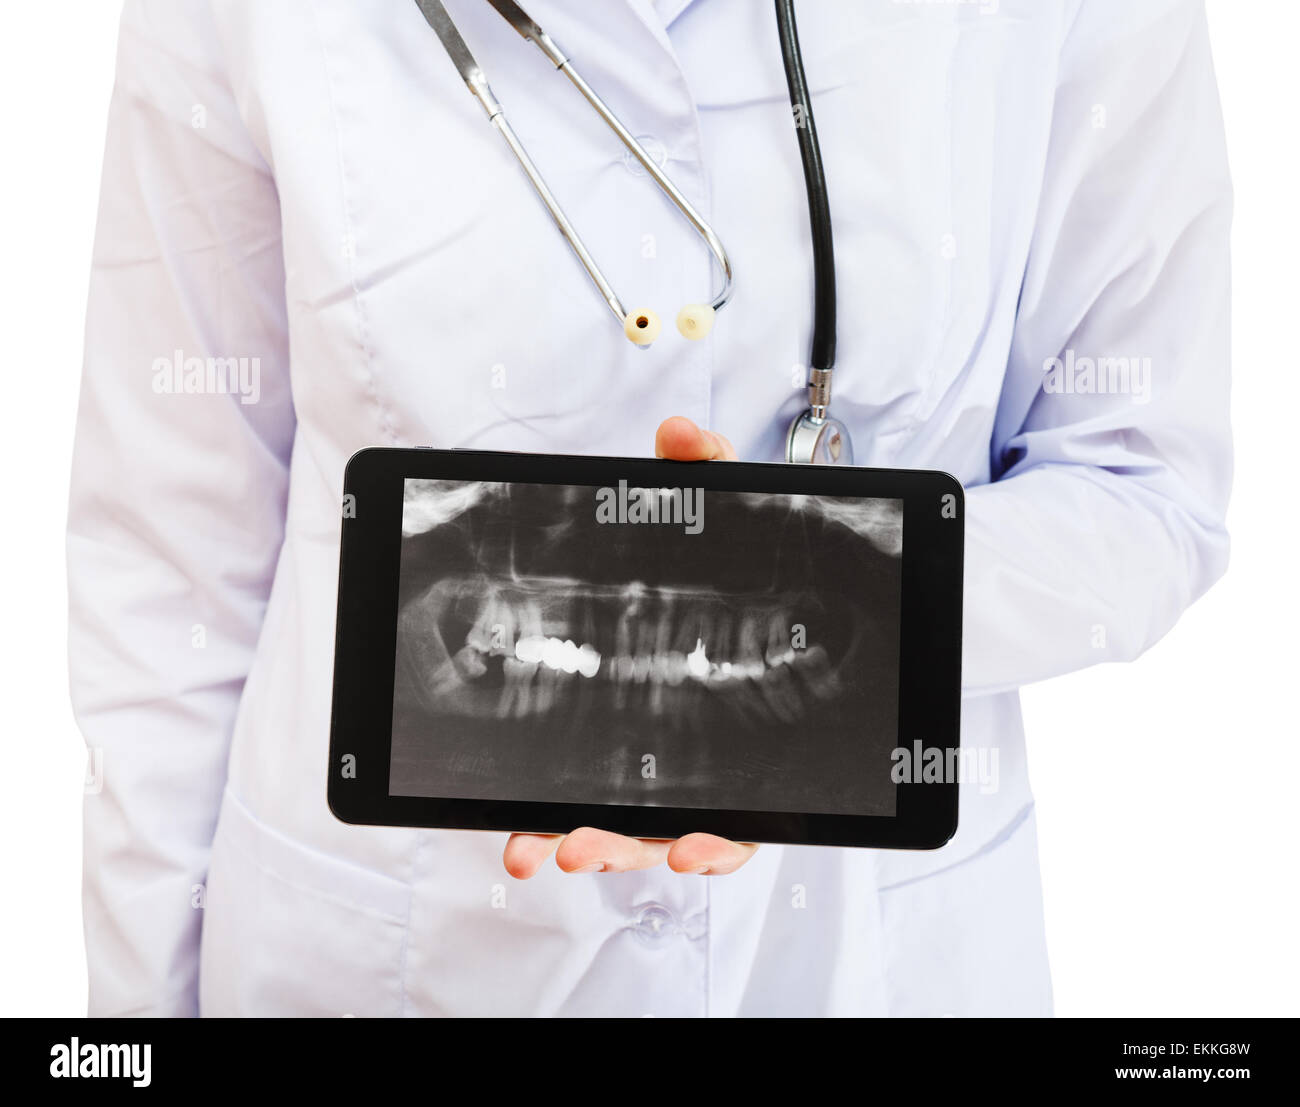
669,647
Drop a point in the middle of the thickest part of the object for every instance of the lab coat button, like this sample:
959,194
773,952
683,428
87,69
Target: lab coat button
652,146
655,924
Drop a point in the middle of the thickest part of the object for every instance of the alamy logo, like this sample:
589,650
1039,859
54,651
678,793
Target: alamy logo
1102,376
946,765
114,1062
213,376
683,507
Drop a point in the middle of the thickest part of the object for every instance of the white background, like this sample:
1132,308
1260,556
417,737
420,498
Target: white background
1167,789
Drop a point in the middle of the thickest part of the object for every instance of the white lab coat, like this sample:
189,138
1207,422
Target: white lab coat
308,183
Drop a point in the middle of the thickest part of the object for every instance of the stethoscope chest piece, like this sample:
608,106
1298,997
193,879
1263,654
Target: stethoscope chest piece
818,441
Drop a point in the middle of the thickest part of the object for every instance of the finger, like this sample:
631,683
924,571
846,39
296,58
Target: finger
678,439
525,853
707,854
588,850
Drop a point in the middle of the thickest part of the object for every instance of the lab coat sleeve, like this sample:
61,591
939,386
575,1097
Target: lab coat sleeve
178,494
1105,518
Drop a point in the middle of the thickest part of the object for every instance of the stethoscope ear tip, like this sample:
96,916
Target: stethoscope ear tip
642,326
695,321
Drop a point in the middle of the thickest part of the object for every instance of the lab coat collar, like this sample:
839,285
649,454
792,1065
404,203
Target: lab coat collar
656,15
667,11
587,38
658,24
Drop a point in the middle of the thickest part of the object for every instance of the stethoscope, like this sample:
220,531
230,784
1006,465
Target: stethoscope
814,437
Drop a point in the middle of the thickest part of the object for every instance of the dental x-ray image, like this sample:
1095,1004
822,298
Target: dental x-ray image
676,647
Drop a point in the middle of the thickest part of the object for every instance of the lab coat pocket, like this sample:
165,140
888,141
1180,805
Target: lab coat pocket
968,941
291,931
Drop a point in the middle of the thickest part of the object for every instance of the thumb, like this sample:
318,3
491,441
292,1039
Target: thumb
679,439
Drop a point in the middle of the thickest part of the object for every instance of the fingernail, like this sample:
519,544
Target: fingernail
594,867
700,871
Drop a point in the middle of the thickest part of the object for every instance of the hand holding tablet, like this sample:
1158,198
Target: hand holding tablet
686,655
589,850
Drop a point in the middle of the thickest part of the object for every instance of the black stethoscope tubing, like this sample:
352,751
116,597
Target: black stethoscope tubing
822,355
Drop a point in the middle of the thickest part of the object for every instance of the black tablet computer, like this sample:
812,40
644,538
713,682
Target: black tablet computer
766,652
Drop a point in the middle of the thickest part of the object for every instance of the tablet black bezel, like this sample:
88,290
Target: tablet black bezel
366,642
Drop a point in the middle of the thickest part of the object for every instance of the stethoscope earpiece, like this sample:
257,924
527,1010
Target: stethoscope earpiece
642,326
695,321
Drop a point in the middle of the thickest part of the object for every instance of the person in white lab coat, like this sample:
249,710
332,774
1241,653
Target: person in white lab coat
1021,189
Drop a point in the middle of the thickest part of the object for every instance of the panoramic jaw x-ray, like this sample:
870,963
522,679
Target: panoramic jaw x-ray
647,646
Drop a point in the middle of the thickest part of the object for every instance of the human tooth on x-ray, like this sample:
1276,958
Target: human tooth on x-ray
540,646
663,643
